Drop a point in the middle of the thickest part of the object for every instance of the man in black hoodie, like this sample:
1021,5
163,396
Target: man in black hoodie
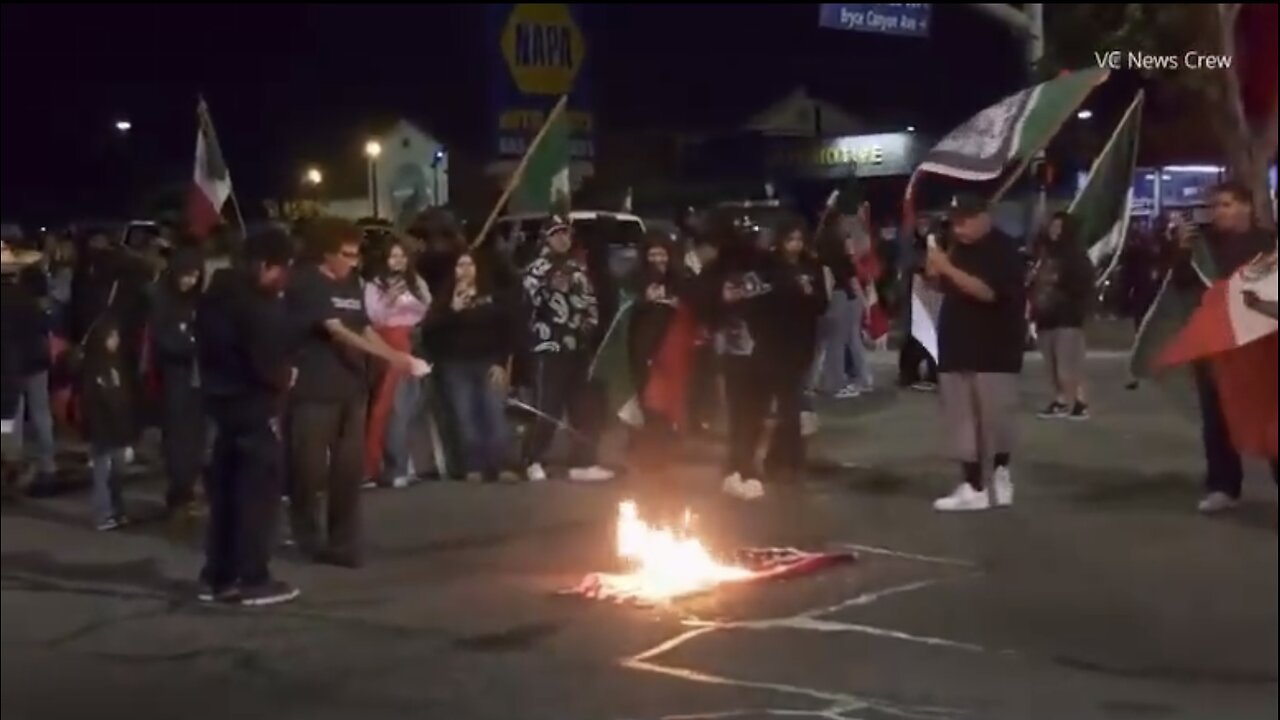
173,350
242,340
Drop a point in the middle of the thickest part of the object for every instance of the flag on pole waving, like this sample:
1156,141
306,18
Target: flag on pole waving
1101,208
1016,127
211,180
543,183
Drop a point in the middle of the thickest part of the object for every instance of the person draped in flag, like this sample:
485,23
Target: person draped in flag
1233,239
981,329
565,316
656,286
1061,293
917,369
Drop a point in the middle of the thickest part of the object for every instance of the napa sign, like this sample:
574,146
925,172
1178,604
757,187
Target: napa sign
542,54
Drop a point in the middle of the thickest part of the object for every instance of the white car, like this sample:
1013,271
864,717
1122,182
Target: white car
519,236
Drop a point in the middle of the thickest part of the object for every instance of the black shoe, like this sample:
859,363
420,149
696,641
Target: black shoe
1131,385
338,559
1053,411
273,592
218,596
1079,411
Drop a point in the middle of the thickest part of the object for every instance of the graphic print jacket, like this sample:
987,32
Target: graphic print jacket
563,303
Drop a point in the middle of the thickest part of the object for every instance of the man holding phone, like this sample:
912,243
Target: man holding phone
1232,240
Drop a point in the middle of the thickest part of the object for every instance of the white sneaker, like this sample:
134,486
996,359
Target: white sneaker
847,392
752,489
964,497
595,473
732,485
402,482
535,473
1002,486
1216,502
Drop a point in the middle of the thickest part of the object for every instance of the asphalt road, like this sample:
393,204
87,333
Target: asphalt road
1100,595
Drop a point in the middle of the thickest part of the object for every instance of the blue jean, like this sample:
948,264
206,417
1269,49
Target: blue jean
480,410
34,404
107,500
395,443
842,338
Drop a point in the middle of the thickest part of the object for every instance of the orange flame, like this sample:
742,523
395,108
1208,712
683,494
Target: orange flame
665,563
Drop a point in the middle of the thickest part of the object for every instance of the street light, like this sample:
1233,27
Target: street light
313,177
1084,114
436,161
372,150
124,126
911,128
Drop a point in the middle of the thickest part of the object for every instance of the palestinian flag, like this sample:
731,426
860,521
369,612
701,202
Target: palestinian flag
1016,127
211,181
542,179
1101,208
667,392
1240,345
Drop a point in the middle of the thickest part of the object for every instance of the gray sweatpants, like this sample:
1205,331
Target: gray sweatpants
1063,350
978,411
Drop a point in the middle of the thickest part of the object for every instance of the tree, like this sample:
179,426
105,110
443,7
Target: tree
1238,123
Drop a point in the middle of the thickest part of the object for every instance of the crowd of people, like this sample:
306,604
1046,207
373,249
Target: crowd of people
316,363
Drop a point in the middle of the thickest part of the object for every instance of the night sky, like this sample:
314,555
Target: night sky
289,85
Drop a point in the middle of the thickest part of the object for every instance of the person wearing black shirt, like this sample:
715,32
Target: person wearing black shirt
799,301
1061,293
473,324
1232,240
173,349
981,328
241,341
329,402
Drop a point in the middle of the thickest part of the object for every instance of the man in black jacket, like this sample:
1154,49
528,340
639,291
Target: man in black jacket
173,350
242,337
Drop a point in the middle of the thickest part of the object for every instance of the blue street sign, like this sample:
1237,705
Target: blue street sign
909,19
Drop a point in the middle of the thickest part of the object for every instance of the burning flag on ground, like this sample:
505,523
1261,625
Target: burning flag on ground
211,180
670,563
1240,344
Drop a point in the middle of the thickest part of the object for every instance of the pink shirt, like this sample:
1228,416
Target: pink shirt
402,310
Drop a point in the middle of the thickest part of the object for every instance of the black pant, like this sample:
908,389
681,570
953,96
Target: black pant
703,390
560,387
909,359
326,453
1224,471
243,487
752,385
182,435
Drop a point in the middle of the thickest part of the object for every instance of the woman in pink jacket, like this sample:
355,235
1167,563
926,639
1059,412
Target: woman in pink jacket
396,300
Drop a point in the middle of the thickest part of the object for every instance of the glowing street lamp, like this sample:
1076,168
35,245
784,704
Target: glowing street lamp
372,149
124,126
1084,114
313,177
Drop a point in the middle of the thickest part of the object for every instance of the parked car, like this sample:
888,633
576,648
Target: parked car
519,236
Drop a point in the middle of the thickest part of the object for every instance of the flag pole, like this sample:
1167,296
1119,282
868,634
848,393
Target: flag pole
206,124
514,180
1093,167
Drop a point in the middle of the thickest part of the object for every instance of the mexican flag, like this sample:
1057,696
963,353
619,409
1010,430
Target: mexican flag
542,179
1016,127
211,181
1240,346
1101,208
